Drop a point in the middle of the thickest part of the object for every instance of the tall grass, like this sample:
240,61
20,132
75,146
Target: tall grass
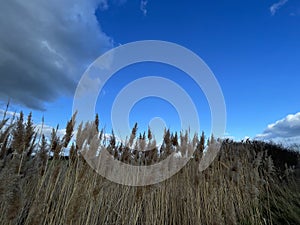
248,183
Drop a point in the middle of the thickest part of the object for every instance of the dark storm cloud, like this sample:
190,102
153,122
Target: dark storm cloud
45,47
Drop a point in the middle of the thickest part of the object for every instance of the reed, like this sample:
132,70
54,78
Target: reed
249,182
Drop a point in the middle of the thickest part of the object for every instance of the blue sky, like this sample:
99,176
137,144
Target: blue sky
252,47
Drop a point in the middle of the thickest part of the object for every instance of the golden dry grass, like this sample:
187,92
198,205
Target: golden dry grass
245,184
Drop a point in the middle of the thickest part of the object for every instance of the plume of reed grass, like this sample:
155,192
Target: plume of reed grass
247,183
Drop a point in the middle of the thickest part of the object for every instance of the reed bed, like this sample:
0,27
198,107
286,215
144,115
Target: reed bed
249,182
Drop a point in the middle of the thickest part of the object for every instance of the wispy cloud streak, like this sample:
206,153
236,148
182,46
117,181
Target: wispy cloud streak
143,7
276,6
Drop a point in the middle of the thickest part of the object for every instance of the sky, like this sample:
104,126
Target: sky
252,48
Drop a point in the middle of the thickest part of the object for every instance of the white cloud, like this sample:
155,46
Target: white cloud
8,114
231,137
276,6
143,7
284,130
47,130
227,135
45,47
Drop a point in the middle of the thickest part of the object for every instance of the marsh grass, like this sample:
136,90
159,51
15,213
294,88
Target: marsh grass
248,183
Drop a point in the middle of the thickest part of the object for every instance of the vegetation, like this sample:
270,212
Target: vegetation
249,182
